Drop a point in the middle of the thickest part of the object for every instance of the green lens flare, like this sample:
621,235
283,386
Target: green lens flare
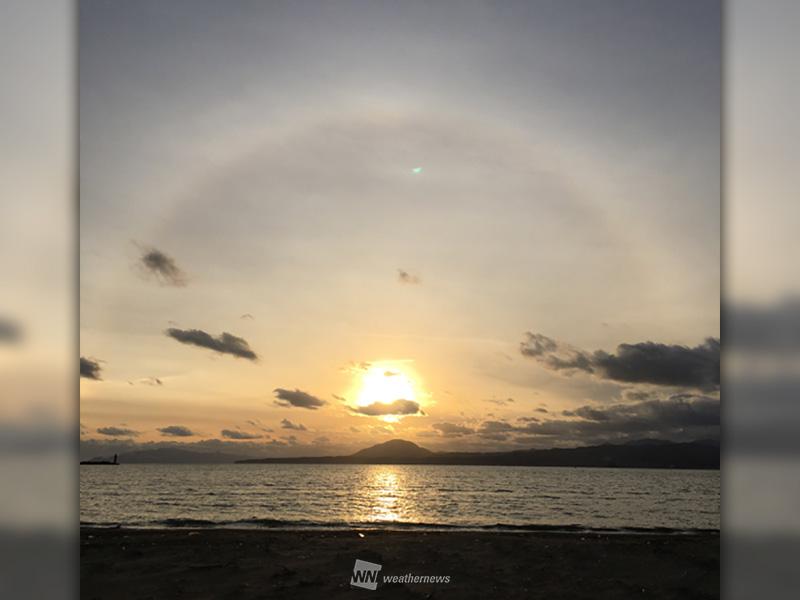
416,170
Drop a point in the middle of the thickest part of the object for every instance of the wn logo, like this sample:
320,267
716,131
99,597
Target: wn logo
365,575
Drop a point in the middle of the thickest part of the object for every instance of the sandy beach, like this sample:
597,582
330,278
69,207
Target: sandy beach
218,563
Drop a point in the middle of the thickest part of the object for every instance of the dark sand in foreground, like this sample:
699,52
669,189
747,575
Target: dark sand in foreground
214,563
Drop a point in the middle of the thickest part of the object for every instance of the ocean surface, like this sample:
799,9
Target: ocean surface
407,496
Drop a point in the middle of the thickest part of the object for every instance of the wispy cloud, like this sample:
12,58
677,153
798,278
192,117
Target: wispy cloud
404,276
500,401
162,267
225,343
287,424
259,425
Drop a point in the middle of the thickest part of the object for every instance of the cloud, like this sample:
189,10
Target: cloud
176,431
679,415
554,355
662,364
247,316
500,401
224,344
407,278
235,434
496,430
297,398
151,381
162,268
773,327
90,368
117,431
287,424
259,425
10,332
397,407
452,430
645,362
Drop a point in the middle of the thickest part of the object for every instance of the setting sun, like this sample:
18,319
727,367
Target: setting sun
385,383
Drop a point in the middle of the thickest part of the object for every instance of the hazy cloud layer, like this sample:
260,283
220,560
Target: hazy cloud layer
235,434
500,401
117,431
407,278
259,425
772,327
90,368
680,415
162,268
225,343
452,429
176,431
287,424
497,430
645,362
397,407
297,398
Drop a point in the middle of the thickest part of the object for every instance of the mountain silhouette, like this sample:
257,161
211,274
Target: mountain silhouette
393,449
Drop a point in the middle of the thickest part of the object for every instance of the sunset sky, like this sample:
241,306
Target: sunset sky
308,227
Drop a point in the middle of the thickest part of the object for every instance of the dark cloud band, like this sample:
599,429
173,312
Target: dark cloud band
645,362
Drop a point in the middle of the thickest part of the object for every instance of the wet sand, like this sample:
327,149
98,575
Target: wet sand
241,564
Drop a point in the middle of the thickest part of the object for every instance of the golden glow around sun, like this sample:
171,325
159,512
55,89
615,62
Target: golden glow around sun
385,382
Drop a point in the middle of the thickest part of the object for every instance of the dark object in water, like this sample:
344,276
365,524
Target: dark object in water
96,461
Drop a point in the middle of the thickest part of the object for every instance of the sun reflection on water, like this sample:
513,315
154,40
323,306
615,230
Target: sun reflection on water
385,496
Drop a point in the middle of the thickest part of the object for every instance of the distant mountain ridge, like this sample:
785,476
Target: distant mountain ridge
653,454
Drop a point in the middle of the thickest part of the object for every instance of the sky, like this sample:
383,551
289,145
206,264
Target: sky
312,227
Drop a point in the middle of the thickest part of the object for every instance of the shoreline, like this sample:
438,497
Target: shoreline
257,563
199,525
